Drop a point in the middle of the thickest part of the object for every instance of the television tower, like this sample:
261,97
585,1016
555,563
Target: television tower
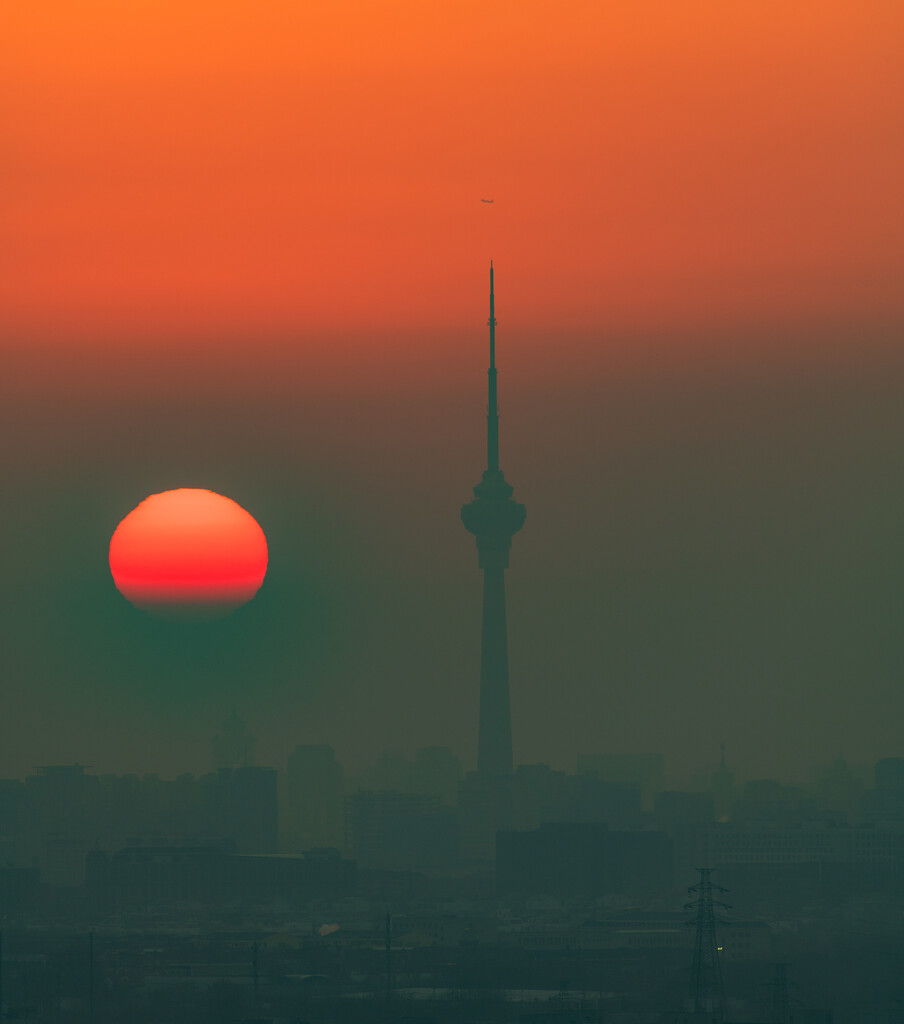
494,518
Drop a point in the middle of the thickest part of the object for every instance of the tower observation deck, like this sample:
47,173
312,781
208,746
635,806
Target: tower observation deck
494,518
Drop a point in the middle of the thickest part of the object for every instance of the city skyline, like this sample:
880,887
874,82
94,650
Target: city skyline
165,647
255,263
194,654
287,736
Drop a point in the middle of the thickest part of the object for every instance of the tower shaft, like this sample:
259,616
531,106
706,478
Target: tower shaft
494,744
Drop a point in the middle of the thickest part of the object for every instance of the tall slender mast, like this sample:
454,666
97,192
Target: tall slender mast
492,408
493,517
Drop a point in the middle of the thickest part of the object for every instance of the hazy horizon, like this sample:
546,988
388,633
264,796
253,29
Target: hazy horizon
710,555
244,249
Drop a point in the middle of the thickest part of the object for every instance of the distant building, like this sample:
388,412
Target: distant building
485,807
536,795
19,891
769,844
888,802
16,823
62,812
386,829
588,859
390,773
646,771
314,790
839,794
436,771
242,805
149,878
64,805
890,773
768,800
768,861
675,809
543,795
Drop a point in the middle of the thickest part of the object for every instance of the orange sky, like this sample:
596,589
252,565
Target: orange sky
267,168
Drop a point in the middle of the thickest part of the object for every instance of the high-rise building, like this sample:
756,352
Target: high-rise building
436,771
64,807
646,771
241,806
391,830
314,783
584,858
889,792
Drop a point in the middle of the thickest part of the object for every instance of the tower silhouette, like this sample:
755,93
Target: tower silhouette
493,517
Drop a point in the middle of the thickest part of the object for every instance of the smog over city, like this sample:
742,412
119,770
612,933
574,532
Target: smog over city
452,525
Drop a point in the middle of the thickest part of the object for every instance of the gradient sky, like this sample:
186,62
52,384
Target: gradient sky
241,247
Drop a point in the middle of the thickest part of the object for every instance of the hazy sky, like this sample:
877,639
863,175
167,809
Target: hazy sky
241,247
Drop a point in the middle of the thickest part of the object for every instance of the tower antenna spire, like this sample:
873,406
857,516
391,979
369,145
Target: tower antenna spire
492,406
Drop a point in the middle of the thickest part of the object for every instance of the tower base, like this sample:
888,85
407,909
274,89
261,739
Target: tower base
484,808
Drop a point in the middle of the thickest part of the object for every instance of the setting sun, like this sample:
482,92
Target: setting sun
188,551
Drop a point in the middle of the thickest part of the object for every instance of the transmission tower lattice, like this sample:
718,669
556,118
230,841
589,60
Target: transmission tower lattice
707,990
781,1000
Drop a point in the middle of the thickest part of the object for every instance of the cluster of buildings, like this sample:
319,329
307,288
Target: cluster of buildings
612,829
